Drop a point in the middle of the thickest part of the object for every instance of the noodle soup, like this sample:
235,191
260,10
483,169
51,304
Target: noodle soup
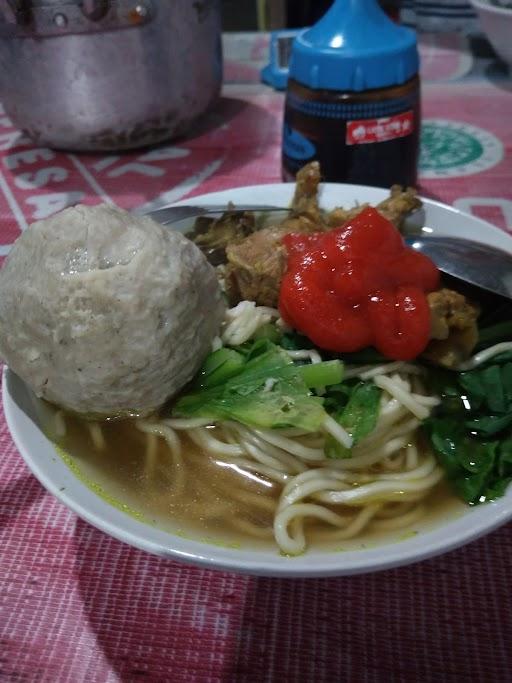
202,483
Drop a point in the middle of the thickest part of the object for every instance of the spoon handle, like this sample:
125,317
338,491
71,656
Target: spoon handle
173,214
473,262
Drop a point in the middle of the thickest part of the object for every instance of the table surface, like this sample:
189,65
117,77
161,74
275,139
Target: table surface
76,605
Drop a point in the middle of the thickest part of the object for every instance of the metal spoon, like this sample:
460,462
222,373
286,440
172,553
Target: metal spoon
472,262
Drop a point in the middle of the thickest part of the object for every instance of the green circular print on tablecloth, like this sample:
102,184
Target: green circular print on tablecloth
453,148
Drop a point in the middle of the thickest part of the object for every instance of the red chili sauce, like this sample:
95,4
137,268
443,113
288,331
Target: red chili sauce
359,285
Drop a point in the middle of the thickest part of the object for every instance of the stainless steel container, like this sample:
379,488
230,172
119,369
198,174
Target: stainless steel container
108,74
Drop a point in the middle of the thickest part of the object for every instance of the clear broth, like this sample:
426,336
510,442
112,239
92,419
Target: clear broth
217,503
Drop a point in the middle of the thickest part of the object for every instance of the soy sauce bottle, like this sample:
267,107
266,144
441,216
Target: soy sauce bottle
353,98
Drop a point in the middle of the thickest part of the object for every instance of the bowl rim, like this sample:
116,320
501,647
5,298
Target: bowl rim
485,6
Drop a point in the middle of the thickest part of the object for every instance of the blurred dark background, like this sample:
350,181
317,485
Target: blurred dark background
254,15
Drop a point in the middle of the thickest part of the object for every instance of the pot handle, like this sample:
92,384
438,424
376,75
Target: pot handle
18,18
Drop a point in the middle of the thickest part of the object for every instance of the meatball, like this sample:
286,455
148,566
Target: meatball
105,313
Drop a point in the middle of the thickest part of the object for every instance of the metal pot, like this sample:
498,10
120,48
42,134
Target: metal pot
108,74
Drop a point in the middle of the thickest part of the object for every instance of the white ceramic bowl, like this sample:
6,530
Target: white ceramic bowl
54,474
496,23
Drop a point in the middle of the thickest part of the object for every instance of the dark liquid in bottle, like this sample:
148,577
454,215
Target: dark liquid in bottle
367,138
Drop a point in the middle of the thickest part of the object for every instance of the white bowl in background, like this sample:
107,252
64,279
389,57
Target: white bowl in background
496,23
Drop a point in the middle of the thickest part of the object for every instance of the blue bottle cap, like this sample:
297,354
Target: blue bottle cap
354,47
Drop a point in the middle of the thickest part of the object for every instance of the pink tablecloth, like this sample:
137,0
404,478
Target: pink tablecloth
75,605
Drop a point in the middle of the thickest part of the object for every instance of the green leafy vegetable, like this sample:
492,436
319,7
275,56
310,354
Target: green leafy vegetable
220,366
490,388
268,331
474,466
319,375
336,397
471,432
358,417
267,390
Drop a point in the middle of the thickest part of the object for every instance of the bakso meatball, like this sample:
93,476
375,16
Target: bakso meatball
105,313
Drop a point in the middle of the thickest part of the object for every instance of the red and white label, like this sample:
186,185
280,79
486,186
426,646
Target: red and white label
366,131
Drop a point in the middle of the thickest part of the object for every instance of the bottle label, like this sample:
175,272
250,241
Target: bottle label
365,131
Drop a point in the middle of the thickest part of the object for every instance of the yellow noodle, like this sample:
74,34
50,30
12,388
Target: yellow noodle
96,434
